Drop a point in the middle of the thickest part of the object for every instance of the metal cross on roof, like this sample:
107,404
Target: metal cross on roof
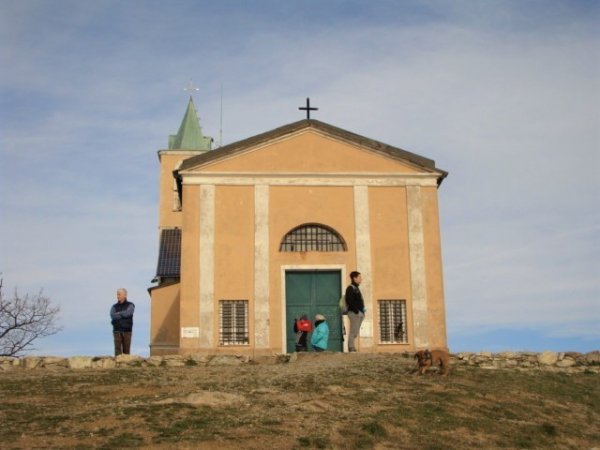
307,108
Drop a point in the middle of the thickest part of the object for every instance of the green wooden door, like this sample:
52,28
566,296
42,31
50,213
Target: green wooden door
311,293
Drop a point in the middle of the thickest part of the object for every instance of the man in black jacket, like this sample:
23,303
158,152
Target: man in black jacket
121,315
356,309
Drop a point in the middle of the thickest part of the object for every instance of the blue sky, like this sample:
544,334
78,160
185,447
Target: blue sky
503,95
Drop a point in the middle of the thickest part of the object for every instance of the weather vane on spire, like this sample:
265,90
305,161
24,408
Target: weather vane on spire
191,88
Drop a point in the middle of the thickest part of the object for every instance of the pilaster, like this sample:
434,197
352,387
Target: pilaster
261,266
416,243
363,261
207,265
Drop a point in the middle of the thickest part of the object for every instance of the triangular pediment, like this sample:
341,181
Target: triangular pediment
310,146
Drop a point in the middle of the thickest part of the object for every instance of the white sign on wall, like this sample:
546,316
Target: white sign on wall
190,332
366,330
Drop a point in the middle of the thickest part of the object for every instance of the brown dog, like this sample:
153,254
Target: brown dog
429,358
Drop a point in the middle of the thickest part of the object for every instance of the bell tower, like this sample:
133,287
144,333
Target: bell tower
189,141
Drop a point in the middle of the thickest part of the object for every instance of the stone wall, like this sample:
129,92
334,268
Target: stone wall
554,361
110,362
549,361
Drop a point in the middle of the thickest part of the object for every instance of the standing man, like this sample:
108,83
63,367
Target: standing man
356,309
121,315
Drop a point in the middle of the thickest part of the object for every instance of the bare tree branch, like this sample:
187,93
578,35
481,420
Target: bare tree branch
24,320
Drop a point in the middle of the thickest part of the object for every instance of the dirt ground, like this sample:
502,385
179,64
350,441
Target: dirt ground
345,401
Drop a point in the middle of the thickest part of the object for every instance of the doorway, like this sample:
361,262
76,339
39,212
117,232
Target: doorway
313,292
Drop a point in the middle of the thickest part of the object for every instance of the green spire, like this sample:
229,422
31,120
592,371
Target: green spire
189,136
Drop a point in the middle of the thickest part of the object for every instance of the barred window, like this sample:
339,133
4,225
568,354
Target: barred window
392,322
233,317
312,237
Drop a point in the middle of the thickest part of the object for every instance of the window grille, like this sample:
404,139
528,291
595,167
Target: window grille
312,237
392,322
233,316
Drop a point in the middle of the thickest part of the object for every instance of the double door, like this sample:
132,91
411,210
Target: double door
314,292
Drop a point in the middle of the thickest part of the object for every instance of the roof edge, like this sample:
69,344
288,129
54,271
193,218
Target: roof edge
353,138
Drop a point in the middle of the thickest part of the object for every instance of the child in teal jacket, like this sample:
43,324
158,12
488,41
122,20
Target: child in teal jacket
320,335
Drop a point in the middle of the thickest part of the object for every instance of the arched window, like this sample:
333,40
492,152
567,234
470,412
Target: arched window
313,237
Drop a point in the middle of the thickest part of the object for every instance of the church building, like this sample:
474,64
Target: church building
258,232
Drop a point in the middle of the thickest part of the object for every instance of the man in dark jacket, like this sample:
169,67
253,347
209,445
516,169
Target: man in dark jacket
356,309
121,315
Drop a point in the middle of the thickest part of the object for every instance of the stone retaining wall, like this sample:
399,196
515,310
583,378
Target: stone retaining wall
552,361
110,362
556,361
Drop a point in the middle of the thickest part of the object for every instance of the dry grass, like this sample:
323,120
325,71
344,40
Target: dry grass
321,401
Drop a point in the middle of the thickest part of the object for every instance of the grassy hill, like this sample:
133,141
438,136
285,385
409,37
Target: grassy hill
346,401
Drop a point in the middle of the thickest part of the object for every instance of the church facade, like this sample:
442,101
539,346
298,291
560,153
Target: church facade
261,231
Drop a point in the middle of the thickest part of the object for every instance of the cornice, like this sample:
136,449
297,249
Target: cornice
308,179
